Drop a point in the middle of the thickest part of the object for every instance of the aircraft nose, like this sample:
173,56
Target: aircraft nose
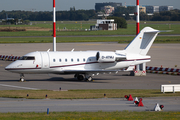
10,67
7,67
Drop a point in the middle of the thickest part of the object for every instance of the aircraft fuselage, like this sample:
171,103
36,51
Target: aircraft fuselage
67,62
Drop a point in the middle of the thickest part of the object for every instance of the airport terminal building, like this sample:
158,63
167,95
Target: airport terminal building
100,6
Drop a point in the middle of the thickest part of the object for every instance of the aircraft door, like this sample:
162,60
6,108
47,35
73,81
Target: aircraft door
45,60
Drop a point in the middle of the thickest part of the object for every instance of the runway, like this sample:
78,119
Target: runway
83,105
166,55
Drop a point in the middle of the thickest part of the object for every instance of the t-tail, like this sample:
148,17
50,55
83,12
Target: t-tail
143,41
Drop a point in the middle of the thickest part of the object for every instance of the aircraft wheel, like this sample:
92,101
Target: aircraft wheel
75,76
21,80
89,79
80,77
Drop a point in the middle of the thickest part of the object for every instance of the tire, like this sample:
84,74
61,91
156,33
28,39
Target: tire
80,77
21,80
89,79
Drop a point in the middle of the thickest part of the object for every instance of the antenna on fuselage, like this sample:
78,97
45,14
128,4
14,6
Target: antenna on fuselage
54,26
48,50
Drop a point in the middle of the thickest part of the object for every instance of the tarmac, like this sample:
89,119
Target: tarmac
86,105
165,55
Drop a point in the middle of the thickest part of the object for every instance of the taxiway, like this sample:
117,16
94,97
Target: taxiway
166,55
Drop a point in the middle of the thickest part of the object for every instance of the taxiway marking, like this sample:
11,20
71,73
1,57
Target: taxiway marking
18,87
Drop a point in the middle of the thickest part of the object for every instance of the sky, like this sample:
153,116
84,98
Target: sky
46,5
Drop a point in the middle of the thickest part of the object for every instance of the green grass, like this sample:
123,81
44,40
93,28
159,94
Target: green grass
159,39
116,115
129,31
63,39
60,24
172,39
82,94
26,33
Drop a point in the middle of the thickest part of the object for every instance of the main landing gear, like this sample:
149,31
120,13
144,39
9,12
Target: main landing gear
82,77
22,78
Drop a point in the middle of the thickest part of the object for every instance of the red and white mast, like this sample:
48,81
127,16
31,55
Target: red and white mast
54,26
137,17
142,66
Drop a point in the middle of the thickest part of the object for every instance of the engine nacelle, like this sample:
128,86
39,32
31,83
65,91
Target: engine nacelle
109,57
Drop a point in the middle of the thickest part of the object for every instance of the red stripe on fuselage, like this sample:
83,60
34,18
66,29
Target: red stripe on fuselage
75,64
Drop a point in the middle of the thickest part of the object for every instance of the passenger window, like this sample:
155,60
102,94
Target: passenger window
84,60
59,60
66,60
54,60
71,60
78,59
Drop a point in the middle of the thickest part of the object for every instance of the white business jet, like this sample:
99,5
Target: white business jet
85,64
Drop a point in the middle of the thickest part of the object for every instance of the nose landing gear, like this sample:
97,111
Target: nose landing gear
21,78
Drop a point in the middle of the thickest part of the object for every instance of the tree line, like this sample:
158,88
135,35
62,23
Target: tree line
74,14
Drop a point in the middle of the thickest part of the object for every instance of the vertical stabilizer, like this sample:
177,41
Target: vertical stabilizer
143,41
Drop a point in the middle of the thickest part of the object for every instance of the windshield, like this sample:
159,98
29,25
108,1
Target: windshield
27,58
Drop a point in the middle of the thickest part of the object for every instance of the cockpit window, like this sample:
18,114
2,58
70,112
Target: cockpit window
27,58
